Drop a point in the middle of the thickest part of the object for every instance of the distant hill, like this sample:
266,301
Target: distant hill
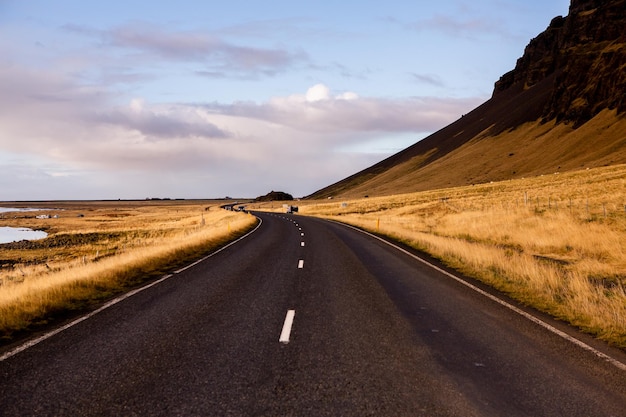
274,196
561,108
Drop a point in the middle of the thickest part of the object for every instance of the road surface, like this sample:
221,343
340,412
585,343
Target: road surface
306,317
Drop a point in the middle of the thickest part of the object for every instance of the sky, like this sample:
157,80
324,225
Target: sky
204,99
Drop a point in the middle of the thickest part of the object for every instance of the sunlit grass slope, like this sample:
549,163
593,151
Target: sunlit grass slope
531,149
556,242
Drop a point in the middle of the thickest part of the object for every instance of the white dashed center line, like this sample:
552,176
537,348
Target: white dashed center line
286,332
301,243
301,264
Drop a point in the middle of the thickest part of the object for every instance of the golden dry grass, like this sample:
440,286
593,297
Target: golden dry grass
556,242
114,247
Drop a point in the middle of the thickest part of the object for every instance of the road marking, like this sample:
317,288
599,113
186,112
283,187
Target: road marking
302,234
301,243
286,332
511,307
301,264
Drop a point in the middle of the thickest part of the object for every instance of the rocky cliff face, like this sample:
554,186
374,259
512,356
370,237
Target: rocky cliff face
583,56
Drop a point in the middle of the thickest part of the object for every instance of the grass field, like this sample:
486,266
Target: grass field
95,250
555,242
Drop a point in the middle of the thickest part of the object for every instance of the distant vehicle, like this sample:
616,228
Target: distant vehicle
291,209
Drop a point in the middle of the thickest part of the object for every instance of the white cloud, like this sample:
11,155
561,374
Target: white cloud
136,105
348,95
317,93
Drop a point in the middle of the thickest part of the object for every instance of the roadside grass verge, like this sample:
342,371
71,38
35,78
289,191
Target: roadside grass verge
556,243
32,295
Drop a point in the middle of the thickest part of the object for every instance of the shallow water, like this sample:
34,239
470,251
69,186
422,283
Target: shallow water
15,234
13,209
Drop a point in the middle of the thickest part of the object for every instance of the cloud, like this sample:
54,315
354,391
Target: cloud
457,27
317,93
165,123
48,116
219,56
93,144
465,26
319,111
430,79
184,46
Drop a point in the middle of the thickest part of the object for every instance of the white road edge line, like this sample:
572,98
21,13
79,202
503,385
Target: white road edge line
301,264
511,307
111,303
286,332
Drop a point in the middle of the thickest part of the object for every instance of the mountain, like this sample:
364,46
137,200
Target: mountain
561,108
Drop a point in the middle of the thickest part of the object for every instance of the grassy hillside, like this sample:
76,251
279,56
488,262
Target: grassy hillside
529,150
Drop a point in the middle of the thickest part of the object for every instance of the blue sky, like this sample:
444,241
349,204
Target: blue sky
201,99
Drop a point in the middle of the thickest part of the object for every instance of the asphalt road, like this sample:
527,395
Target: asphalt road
309,318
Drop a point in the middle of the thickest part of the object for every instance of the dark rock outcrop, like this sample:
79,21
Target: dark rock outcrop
584,57
275,196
